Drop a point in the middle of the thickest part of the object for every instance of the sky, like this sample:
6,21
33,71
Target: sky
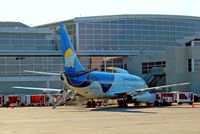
38,12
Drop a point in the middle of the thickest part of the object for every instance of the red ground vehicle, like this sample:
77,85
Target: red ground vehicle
184,97
1,100
164,99
167,98
36,100
12,99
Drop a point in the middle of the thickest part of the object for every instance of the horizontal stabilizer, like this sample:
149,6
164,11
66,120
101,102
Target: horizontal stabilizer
42,73
39,89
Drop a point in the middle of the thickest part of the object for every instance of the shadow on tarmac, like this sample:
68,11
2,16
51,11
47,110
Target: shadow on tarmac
117,109
185,107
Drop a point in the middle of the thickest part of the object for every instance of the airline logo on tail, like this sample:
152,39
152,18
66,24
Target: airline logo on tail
69,58
71,62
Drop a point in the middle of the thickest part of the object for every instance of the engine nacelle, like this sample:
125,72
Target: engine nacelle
145,97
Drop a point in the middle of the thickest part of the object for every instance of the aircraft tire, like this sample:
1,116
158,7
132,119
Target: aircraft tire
93,104
89,104
156,103
122,103
148,104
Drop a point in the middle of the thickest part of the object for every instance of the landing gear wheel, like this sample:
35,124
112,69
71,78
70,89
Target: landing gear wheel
99,103
137,104
156,103
148,104
122,103
89,104
94,104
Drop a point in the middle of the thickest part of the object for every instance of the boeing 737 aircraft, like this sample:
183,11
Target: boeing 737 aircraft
94,84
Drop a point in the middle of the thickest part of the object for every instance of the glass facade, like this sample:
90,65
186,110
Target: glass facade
26,48
122,35
134,32
28,41
101,63
15,66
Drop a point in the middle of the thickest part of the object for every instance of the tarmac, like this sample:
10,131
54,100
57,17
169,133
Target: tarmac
103,120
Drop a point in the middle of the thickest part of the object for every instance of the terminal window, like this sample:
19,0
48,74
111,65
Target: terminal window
101,63
153,67
193,65
189,65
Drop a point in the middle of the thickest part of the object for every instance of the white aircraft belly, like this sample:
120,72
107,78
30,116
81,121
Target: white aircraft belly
92,91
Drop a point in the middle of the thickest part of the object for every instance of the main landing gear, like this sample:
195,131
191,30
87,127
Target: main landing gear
91,104
122,103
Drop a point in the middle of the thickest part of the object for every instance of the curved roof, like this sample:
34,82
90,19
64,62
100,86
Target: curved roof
130,16
123,16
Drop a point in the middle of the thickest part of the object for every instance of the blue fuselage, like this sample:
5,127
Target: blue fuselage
98,84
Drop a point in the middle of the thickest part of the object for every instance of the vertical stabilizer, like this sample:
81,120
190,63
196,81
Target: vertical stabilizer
71,62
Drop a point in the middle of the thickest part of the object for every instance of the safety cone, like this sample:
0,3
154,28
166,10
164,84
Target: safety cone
193,106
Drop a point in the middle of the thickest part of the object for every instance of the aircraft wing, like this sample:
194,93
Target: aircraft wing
40,89
42,73
161,87
58,74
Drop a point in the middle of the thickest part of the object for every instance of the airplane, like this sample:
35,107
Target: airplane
94,84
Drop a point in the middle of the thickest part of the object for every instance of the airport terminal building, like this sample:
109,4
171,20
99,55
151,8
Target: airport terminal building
155,47
26,48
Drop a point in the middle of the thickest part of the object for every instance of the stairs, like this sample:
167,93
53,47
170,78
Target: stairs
155,77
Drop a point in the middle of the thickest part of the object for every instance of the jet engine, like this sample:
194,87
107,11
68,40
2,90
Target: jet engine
145,97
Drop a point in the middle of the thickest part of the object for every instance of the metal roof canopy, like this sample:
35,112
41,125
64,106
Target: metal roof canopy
13,24
188,39
25,30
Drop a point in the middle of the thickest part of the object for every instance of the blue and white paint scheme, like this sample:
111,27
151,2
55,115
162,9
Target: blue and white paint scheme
94,84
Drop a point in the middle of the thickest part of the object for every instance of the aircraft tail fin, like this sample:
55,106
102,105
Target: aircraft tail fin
71,62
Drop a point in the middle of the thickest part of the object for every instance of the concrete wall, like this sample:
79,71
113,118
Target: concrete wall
194,77
134,63
177,67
